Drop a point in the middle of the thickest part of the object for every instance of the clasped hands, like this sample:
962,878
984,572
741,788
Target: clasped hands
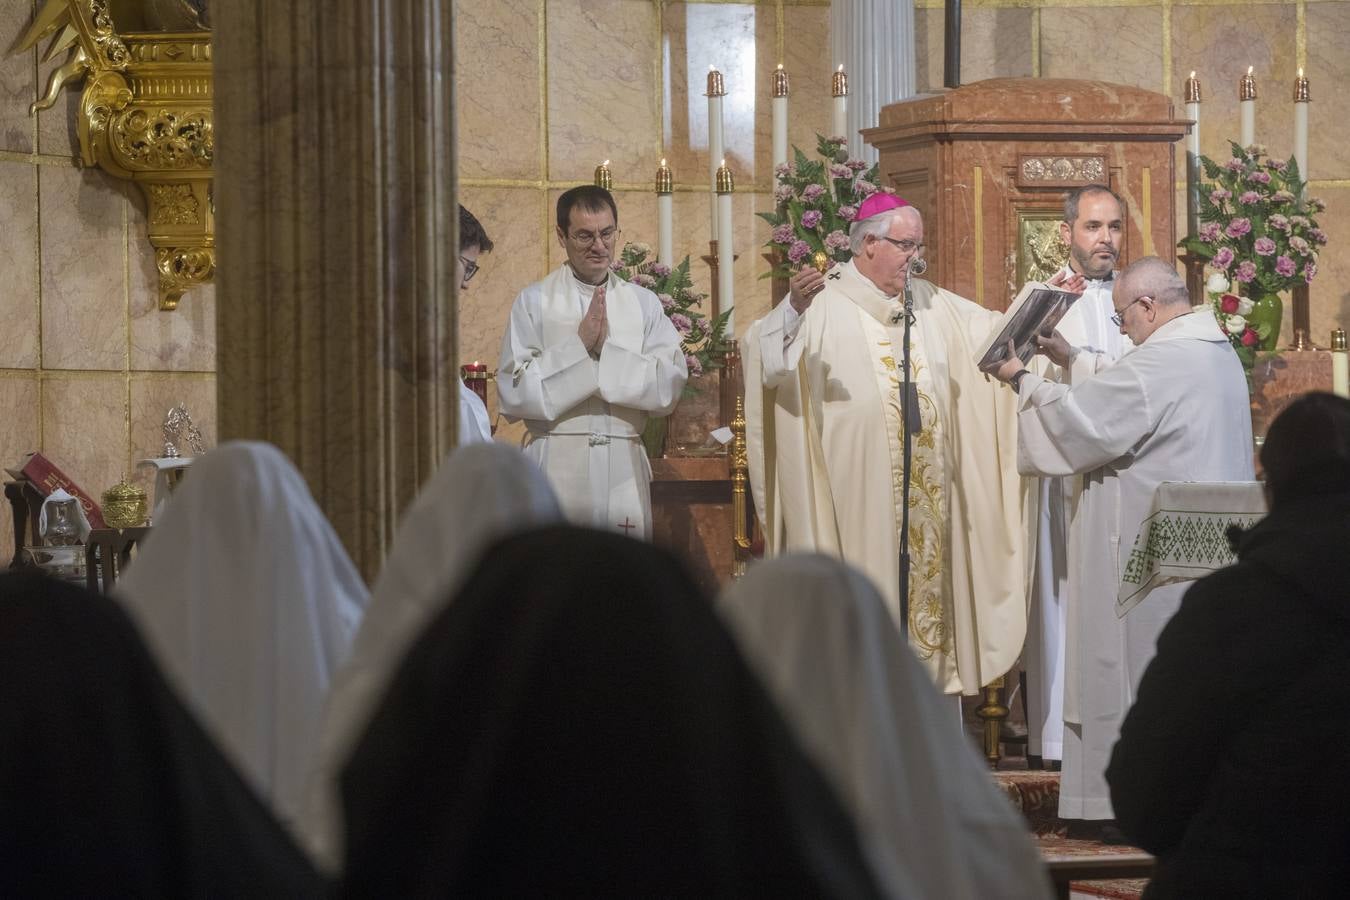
594,327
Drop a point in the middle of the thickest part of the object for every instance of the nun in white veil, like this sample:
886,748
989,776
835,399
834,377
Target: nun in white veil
250,603
820,636
482,493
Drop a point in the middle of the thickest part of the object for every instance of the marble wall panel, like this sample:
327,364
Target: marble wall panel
806,59
602,96
995,43
1330,306
152,394
182,340
18,75
84,427
56,126
1329,72
19,411
83,262
1120,44
19,265
1219,43
497,73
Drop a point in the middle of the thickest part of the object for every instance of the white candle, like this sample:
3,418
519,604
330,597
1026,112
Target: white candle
1301,100
716,90
839,88
1247,108
1340,364
1193,157
726,258
780,113
665,215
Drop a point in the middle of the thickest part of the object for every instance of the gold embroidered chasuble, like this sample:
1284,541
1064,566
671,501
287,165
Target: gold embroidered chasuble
824,416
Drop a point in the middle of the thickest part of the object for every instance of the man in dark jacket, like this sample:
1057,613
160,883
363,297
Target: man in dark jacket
1232,764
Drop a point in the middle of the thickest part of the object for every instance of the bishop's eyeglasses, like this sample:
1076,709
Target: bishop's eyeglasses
906,245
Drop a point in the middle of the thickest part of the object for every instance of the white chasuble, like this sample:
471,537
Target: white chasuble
585,415
824,432
1175,408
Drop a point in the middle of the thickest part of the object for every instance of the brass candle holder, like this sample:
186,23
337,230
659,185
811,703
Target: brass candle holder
780,82
603,178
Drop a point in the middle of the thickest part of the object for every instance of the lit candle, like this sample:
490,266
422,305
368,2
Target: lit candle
726,259
780,113
1193,156
1247,108
1340,364
716,91
839,88
665,215
602,177
1301,100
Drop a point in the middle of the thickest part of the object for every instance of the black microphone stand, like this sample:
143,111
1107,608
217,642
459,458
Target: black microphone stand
906,455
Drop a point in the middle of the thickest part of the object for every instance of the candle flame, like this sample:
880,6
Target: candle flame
1249,70
780,67
724,162
1300,71
605,163
663,162
712,68
841,67
1192,73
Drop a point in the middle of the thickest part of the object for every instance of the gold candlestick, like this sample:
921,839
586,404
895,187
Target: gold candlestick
1301,94
665,181
780,82
726,184
603,178
1193,89
716,85
839,83
1247,86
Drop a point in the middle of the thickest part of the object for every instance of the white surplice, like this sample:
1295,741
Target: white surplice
481,494
1088,328
585,416
250,603
474,426
931,819
824,439
1174,408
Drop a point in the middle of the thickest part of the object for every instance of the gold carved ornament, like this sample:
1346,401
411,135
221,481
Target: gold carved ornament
145,115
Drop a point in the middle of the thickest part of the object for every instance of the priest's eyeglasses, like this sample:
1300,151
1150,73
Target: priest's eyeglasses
470,267
906,245
586,238
1119,318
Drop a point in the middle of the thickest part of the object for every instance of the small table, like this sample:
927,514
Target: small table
107,552
1185,534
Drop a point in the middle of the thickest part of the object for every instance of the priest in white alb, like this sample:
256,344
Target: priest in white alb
586,358
824,432
1175,408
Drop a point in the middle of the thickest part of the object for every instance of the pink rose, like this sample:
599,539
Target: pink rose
1316,204
1284,266
783,169
1235,165
1299,246
1224,258
667,301
1246,271
1282,197
1317,235
682,323
1309,272
1276,165
1238,227
840,171
1264,246
836,240
865,188
783,193
1229,304
1259,177
1279,223
1220,195
1250,338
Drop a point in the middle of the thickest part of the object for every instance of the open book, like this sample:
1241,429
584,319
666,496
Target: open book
1037,309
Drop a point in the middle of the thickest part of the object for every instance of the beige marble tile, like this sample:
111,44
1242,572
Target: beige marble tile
19,412
1219,43
83,278
995,43
17,77
182,340
806,51
927,50
497,89
57,135
18,265
84,427
1119,44
152,395
602,97
1330,290
1328,27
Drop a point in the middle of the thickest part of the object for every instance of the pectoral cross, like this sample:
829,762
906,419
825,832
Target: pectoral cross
833,276
626,525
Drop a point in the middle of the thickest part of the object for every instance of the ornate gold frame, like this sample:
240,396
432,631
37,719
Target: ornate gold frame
145,115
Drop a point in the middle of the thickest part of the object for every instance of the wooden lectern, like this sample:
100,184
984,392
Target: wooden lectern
988,165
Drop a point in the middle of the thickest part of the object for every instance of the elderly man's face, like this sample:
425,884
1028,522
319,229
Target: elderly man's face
886,260
1136,313
1095,236
589,242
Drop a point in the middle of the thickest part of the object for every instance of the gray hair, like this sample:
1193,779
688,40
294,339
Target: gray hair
1155,278
879,226
1072,198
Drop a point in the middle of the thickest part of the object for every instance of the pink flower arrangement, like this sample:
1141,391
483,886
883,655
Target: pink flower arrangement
811,218
836,240
1250,197
1220,195
813,192
1285,267
1250,338
1258,177
1310,272
798,251
1238,227
1246,271
694,364
848,213
1209,232
782,234
1224,258
682,323
1264,246
1229,304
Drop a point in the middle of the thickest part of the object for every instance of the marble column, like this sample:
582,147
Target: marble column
335,201
874,39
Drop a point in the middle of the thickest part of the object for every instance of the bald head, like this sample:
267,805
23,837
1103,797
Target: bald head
1152,277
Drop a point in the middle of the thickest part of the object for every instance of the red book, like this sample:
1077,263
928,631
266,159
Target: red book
46,477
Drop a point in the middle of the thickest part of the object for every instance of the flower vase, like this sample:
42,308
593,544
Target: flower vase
1267,309
654,436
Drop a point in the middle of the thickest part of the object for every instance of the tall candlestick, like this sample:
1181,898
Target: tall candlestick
1301,100
602,176
716,91
1193,157
1247,108
1340,364
839,90
726,257
780,113
665,215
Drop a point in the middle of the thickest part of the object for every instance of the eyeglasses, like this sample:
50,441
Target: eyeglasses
470,267
906,245
584,239
1119,318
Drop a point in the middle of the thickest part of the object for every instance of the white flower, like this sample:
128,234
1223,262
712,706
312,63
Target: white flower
1245,306
1235,325
1216,284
